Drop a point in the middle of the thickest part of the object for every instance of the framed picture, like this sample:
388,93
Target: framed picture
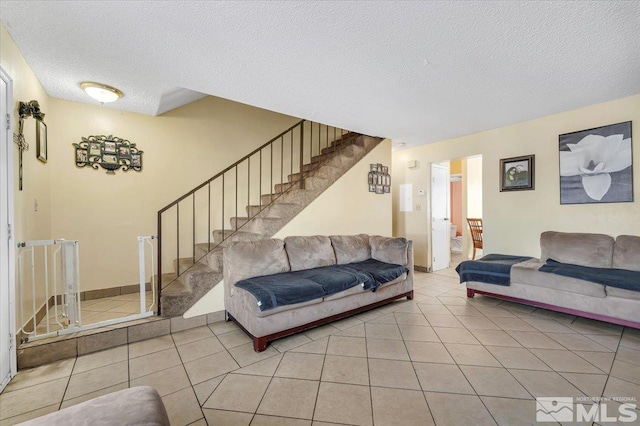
109,159
379,189
373,167
110,147
517,173
596,165
41,141
81,156
372,188
94,149
385,170
136,160
387,189
124,151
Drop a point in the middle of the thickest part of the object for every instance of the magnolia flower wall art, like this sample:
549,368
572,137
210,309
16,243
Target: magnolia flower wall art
596,165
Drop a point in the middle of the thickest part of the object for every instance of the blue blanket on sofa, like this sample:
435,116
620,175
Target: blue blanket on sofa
289,288
490,269
620,278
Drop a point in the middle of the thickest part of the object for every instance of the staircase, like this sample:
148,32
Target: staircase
309,157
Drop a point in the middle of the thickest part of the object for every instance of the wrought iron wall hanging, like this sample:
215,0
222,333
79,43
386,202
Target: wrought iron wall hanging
108,152
26,110
379,179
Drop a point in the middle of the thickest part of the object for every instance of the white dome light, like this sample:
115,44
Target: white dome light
101,92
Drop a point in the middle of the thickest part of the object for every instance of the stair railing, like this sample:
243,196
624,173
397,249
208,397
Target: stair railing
186,226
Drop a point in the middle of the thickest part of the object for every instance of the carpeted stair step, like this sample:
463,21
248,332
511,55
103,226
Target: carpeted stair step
183,292
233,236
274,210
302,196
262,225
184,262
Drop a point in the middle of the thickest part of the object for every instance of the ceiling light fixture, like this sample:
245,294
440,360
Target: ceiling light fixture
101,92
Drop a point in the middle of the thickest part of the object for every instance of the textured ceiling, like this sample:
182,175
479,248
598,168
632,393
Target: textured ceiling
416,72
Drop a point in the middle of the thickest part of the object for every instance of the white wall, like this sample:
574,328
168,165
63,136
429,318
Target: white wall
513,221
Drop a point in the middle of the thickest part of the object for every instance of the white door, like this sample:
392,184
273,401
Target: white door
7,344
440,224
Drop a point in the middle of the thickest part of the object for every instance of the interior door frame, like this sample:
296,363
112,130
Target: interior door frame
7,153
448,215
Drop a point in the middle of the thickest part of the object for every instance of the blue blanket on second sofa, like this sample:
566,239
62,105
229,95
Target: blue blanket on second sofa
490,269
620,278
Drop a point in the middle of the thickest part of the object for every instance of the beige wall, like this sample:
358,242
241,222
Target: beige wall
345,208
29,223
513,221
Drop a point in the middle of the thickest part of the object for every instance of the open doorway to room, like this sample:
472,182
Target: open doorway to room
456,194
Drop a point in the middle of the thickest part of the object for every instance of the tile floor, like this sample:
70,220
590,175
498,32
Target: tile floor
440,359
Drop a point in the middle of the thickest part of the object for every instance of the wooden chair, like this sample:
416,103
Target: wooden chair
475,225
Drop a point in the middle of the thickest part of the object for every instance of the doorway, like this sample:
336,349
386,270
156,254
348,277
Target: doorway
440,222
7,255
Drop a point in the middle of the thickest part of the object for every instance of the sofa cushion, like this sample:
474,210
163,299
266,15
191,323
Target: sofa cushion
527,273
621,292
626,252
254,258
595,250
390,250
309,252
351,248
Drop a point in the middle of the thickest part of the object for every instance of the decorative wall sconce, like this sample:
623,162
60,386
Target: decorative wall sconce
26,110
379,179
108,152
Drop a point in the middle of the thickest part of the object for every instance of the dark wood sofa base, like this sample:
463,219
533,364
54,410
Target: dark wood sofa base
260,343
471,292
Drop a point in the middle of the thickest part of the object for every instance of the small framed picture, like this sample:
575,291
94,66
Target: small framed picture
385,170
373,167
110,147
94,149
81,156
517,173
109,159
387,189
136,160
124,151
372,188
41,141
379,189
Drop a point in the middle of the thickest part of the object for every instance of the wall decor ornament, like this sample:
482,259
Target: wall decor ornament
26,110
109,152
517,173
596,165
379,179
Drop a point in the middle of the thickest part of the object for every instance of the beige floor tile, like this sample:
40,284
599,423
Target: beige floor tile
621,388
507,411
630,356
156,361
442,378
167,381
182,407
87,396
455,335
340,403
491,381
452,300
96,379
546,383
429,352
209,367
34,397
477,323
290,398
430,309
199,348
443,321
418,333
386,349
408,318
535,340
517,358
346,323
262,420
316,347
42,374
355,331
548,325
29,415
398,407
344,369
227,418
221,327
301,366
465,310
204,390
392,374
456,410
201,422
147,347
625,371
265,367
495,313
471,355
238,392
101,305
384,319
234,338
577,342
630,341
565,361
589,326
495,338
602,360
100,359
347,346
382,331
245,355
286,343
129,307
193,334
515,324
320,332
589,384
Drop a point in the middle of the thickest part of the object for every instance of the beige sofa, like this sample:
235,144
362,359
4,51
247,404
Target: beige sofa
267,257
572,295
